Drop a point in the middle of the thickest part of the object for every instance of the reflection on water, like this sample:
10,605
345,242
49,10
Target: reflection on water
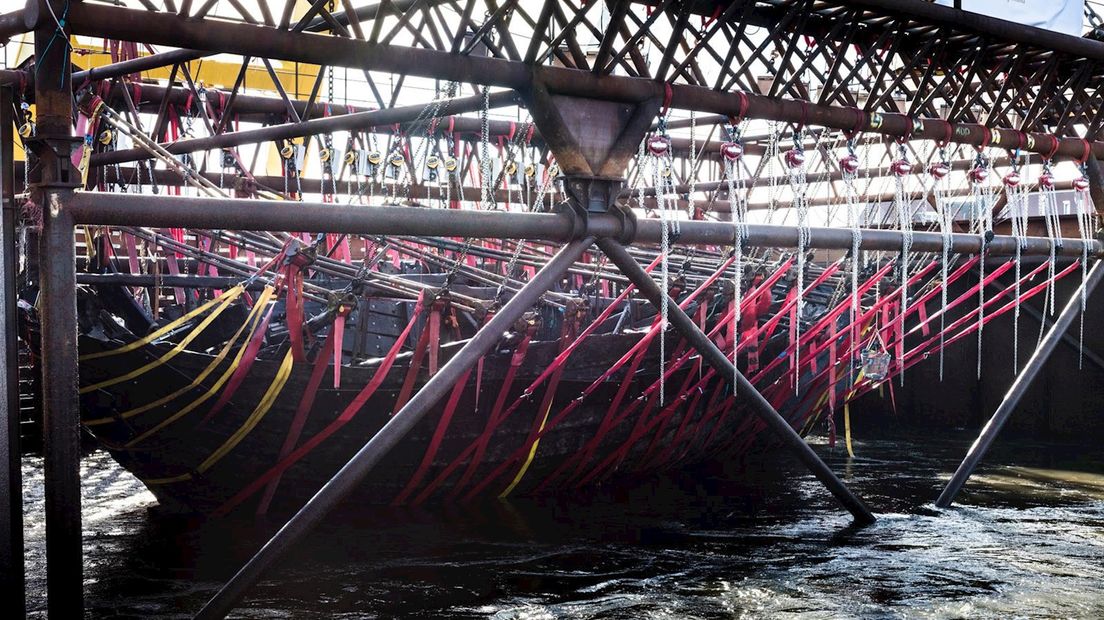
1026,541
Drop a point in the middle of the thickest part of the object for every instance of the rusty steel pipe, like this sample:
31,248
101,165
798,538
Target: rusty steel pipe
228,213
136,65
246,39
12,24
312,127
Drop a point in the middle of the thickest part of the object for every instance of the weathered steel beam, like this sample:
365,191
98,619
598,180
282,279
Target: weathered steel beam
346,480
136,65
231,214
13,24
958,20
60,406
167,280
246,39
60,410
317,126
725,368
11,479
1019,387
244,104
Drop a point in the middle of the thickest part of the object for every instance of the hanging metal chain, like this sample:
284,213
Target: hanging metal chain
981,199
658,152
511,266
901,169
1016,205
665,282
693,165
940,173
486,194
850,165
799,186
732,153
1086,228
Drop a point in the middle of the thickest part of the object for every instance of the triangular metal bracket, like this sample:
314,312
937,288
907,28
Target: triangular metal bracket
590,138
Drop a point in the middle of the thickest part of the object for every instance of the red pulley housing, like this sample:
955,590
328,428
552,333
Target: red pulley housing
1046,180
1012,179
901,167
979,175
850,164
732,151
795,158
939,170
1081,184
658,145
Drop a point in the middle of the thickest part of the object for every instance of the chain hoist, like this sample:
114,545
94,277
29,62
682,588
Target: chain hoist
1016,205
795,161
981,198
940,172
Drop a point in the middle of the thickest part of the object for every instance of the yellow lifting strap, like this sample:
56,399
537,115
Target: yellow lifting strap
226,374
528,459
250,321
234,292
847,429
250,423
176,350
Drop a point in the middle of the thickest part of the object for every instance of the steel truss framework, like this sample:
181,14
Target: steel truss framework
883,56
893,67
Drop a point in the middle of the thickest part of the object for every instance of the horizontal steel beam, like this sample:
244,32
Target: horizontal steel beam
317,126
135,65
13,24
958,20
246,39
231,214
166,280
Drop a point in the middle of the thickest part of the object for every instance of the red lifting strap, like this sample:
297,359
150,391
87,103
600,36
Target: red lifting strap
519,453
986,137
1053,149
1088,151
948,131
338,342
545,374
742,108
420,349
347,414
438,437
297,422
493,419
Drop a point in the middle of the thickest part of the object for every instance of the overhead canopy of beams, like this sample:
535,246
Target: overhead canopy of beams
931,71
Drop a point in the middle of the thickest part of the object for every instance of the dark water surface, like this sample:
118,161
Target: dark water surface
1027,540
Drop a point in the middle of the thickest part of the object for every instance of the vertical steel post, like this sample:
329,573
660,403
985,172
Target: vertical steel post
53,143
352,473
1019,387
11,479
720,362
60,410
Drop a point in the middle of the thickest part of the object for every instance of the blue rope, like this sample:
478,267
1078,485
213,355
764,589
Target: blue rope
58,33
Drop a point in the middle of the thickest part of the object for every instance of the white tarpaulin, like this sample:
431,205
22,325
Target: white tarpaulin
1063,16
